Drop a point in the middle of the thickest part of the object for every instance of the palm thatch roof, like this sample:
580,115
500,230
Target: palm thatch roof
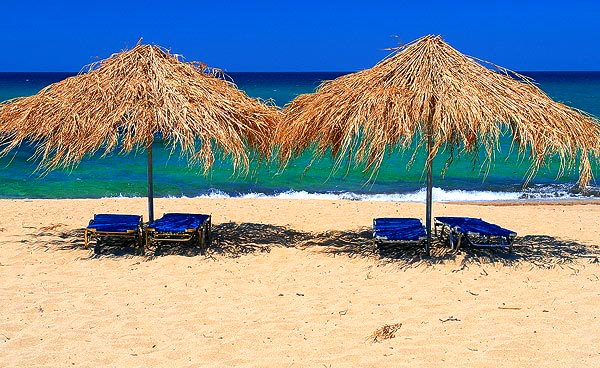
428,87
122,102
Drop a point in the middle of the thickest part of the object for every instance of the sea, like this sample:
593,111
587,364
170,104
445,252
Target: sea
466,179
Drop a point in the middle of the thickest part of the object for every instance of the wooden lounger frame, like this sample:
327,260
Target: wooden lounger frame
91,233
201,235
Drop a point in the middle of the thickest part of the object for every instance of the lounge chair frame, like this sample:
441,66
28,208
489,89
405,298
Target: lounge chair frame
456,237
91,234
201,235
381,241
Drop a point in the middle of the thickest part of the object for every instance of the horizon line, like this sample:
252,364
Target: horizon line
299,71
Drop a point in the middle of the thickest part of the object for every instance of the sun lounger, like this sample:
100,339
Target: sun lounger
179,227
473,231
111,225
398,230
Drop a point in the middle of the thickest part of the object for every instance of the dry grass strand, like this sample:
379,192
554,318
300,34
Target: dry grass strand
385,333
123,102
429,87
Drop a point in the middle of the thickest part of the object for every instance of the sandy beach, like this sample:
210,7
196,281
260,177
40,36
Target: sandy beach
298,283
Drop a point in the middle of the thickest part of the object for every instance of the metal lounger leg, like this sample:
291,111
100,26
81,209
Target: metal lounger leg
200,235
460,236
208,233
443,231
140,243
148,240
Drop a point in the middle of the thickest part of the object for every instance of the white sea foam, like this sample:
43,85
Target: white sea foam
554,192
439,195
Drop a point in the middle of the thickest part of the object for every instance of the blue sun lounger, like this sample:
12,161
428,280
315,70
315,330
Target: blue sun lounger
112,225
474,231
398,230
180,227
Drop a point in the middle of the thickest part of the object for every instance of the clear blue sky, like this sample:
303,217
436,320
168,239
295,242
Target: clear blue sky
299,35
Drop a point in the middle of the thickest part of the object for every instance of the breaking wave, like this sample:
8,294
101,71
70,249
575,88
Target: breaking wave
539,192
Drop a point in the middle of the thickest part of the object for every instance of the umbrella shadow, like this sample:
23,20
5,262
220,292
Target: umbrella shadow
233,239
536,250
50,238
227,239
73,239
109,246
542,251
360,243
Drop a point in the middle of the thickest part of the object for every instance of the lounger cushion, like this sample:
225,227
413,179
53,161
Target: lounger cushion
112,223
178,222
475,225
399,229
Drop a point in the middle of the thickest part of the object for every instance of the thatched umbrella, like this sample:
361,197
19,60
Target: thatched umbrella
122,103
428,89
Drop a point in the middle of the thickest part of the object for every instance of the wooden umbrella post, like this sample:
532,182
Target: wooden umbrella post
150,185
429,198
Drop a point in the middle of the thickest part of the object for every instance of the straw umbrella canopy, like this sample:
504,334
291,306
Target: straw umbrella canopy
122,103
427,89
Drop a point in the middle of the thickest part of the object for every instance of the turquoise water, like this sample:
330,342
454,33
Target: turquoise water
126,176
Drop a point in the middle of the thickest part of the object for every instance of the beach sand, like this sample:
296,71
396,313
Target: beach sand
297,283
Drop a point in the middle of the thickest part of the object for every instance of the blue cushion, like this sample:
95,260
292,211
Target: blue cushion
399,229
115,223
475,225
178,222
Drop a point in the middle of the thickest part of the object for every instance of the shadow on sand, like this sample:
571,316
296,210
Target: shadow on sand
70,240
535,250
237,239
227,239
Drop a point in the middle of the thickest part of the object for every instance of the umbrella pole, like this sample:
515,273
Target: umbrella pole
150,185
429,195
